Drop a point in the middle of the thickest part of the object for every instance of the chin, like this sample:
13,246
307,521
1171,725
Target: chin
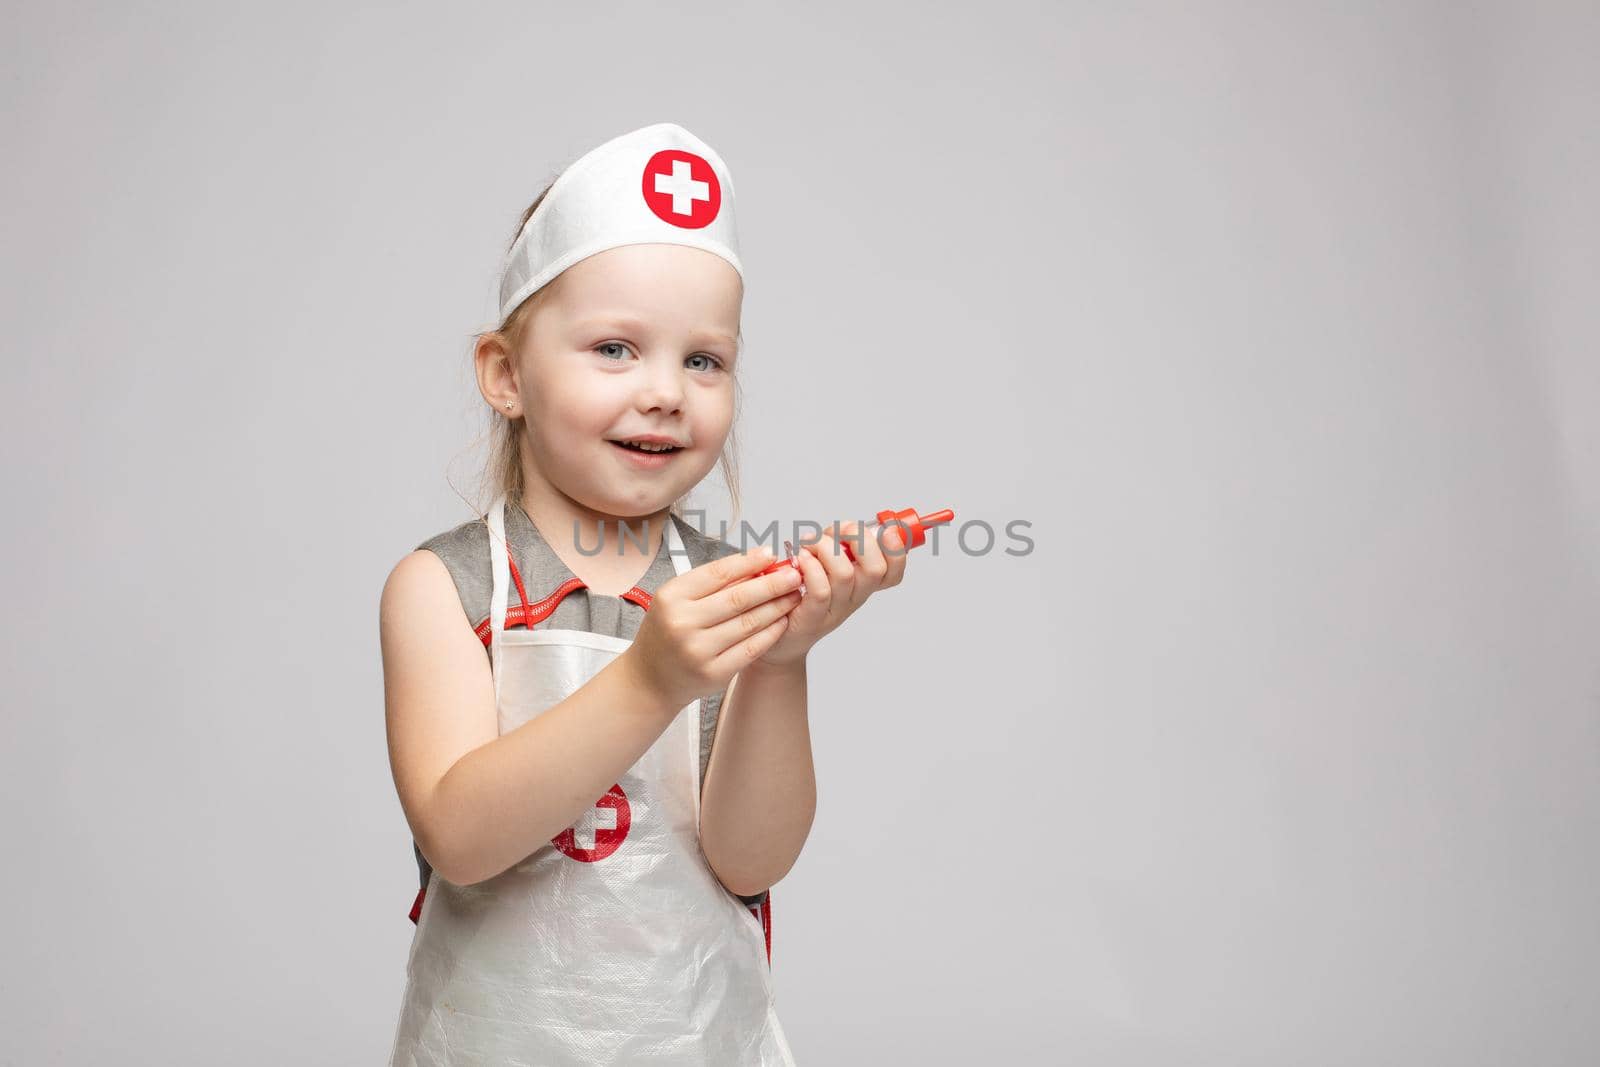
628,509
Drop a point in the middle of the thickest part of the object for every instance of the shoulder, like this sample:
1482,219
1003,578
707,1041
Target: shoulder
463,551
470,538
418,587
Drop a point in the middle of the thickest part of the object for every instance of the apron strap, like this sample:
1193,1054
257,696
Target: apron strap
499,567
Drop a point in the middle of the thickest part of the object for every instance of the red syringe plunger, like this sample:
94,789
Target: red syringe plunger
915,527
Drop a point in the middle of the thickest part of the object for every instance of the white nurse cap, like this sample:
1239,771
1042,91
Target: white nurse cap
657,185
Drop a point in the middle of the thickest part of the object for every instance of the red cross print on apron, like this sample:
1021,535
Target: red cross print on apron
599,831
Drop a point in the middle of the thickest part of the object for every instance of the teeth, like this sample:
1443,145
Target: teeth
643,447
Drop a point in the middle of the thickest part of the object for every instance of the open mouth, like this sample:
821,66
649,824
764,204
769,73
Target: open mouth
647,449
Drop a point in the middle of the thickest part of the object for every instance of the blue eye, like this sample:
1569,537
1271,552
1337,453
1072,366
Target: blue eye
715,362
601,348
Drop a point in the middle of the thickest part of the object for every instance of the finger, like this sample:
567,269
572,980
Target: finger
872,566
744,594
708,578
747,624
835,582
813,576
815,593
841,572
894,552
752,648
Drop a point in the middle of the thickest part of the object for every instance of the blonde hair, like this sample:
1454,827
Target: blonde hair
503,468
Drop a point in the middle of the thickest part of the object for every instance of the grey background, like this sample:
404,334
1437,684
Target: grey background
1276,322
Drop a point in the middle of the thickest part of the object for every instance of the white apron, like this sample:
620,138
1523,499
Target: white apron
615,942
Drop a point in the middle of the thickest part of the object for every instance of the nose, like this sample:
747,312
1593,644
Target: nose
660,387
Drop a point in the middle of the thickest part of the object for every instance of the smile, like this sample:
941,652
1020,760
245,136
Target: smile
641,457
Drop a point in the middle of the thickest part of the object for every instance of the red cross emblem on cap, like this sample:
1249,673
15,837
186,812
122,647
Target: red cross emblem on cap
599,831
681,188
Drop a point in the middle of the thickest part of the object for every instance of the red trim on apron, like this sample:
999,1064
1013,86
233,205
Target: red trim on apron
528,615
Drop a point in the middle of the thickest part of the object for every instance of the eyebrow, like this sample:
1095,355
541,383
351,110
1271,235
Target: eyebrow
629,323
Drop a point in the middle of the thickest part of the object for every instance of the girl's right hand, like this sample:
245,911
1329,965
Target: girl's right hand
709,623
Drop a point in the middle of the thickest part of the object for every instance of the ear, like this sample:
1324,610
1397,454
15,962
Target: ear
496,369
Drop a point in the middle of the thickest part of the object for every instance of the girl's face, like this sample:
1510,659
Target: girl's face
632,341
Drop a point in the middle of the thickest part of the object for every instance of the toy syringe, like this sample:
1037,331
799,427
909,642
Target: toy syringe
914,530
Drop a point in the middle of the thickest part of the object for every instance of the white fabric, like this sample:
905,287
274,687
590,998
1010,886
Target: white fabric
613,948
657,185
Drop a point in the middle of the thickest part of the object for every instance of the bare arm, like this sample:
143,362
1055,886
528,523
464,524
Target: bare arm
478,802
760,792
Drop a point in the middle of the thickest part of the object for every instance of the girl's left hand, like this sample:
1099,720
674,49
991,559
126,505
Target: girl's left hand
835,587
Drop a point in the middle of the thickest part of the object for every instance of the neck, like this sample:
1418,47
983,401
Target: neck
610,553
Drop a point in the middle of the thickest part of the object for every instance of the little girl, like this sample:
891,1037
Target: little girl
594,871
